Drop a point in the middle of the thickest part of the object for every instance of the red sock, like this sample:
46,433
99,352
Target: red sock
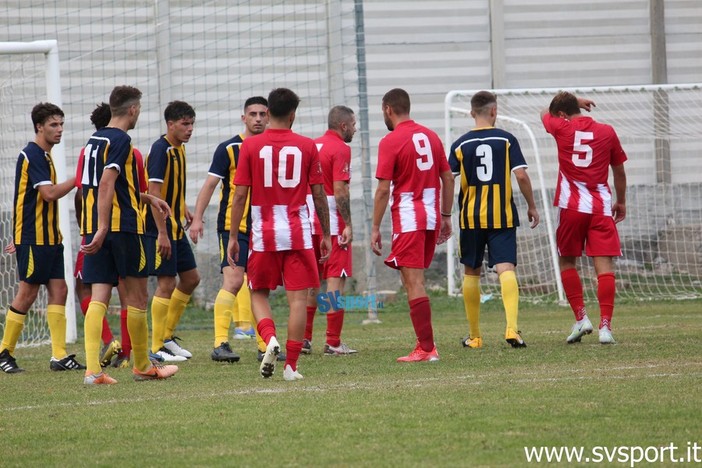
292,348
84,304
126,340
310,322
335,321
107,335
574,292
420,313
606,288
266,328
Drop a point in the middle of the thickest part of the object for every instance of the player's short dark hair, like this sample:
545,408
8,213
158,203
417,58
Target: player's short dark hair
176,110
123,97
398,100
338,115
42,112
101,115
282,102
482,101
564,102
256,100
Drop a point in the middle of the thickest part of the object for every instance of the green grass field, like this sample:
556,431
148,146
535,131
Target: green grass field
474,407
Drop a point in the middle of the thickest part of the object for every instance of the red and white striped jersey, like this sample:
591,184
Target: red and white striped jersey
413,157
279,166
586,150
335,159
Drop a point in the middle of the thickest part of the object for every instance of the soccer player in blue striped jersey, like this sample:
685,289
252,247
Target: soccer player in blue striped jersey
113,225
37,241
233,299
485,159
168,250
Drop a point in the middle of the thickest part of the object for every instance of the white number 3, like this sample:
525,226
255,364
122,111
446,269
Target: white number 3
421,145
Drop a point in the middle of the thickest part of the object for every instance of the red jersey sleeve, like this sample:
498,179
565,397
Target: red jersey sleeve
143,186
341,164
551,123
386,161
79,169
243,167
438,150
316,176
618,156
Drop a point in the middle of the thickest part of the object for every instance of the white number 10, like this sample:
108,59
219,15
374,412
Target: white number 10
266,154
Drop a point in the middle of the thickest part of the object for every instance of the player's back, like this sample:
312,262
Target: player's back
334,158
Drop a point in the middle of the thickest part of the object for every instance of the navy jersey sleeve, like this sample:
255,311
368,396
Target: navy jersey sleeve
453,160
156,161
38,169
220,162
119,152
516,158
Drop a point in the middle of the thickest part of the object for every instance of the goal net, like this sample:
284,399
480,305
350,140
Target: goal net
660,128
29,75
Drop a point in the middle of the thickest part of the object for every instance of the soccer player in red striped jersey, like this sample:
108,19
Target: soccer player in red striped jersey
335,158
412,158
275,169
485,158
588,214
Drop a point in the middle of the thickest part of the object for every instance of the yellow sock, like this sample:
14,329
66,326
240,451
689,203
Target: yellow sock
243,299
93,335
471,302
223,315
14,323
235,312
159,315
175,309
510,298
139,334
56,317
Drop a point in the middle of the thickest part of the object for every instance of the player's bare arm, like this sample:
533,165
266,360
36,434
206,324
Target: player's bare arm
586,104
197,226
380,203
241,193
52,192
619,206
322,208
343,204
525,187
106,193
447,187
163,243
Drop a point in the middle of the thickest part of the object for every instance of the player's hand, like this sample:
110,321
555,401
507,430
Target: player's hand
233,251
10,248
618,212
188,218
346,237
197,229
446,230
533,216
163,245
324,249
376,243
161,206
96,244
586,104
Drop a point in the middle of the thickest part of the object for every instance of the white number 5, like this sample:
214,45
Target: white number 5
421,145
579,159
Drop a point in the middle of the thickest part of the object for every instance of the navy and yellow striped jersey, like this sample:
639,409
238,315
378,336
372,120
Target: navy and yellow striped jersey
485,159
111,148
36,221
165,163
224,163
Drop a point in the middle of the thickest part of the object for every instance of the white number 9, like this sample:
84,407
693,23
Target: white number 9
425,161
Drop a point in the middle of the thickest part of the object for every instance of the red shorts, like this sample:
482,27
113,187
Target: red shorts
339,264
294,269
78,271
596,233
413,249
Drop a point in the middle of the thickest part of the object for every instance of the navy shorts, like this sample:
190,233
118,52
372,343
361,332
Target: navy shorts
182,257
37,264
501,245
122,255
243,249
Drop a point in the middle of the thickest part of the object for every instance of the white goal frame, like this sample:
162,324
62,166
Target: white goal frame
53,94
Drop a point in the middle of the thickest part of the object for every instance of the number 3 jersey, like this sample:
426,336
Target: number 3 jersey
485,158
412,157
279,166
586,149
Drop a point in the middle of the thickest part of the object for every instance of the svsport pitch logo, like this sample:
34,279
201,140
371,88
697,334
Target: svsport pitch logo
332,301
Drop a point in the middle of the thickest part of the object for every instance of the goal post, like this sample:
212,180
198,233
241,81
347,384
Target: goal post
660,128
18,134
